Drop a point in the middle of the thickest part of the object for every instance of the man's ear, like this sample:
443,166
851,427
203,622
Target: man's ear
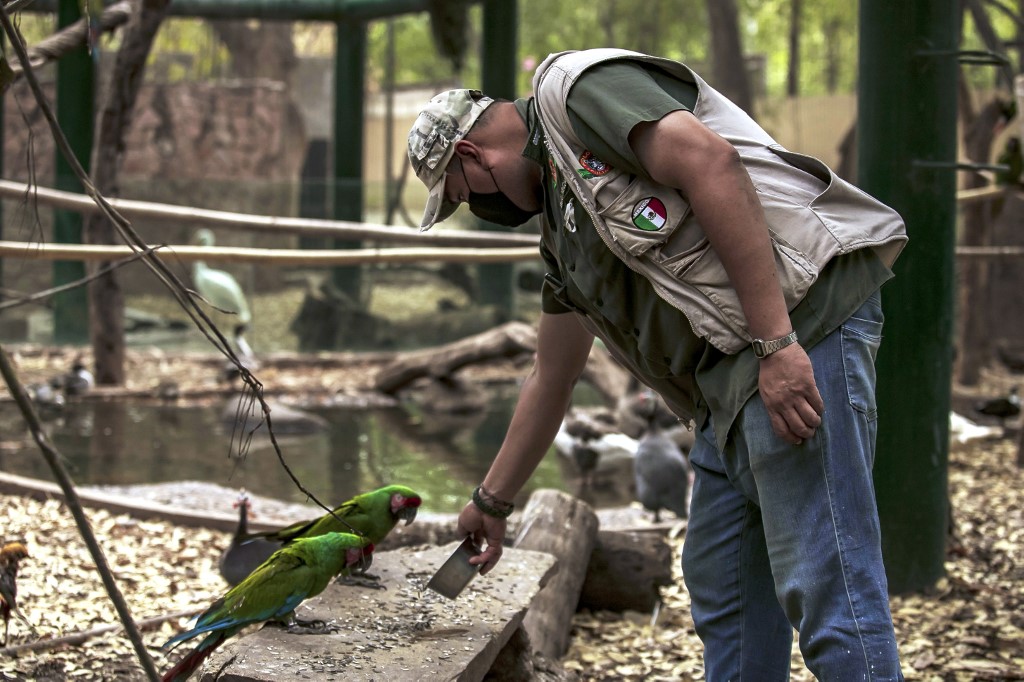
467,149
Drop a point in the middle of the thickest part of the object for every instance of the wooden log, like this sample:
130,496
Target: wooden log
566,527
517,661
626,572
508,340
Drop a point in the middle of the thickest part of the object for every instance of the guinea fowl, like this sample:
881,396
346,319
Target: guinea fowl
1003,408
660,470
633,414
247,550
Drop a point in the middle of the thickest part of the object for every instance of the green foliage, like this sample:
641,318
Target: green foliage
188,49
33,27
663,27
1007,30
828,39
671,29
416,59
678,30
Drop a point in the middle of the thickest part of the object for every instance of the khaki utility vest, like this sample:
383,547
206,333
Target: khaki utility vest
812,214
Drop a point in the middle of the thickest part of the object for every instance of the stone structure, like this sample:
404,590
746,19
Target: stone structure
404,632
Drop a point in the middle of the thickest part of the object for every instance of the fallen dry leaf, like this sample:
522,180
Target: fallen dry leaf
970,627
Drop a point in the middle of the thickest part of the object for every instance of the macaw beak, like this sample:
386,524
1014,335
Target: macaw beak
359,560
408,514
366,558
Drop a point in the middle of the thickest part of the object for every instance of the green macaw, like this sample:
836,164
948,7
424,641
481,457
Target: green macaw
373,514
290,576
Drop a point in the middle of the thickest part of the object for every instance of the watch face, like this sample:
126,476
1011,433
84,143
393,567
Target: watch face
763,349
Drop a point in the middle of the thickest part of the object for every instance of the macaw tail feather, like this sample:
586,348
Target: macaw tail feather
188,665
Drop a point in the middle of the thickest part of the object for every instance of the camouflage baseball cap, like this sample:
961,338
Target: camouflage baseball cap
445,120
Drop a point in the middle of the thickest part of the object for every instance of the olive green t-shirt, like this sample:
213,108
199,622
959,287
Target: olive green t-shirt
695,378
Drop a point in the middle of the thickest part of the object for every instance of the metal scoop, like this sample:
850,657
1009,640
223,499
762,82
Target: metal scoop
456,572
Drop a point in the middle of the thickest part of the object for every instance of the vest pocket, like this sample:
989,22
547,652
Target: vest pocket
701,268
643,215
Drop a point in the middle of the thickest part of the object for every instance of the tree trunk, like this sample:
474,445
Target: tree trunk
832,54
608,22
106,299
727,64
265,50
793,73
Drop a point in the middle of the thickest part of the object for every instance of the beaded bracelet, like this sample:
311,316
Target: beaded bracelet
497,508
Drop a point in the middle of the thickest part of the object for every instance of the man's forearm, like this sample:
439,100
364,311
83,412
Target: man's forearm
563,346
734,223
536,420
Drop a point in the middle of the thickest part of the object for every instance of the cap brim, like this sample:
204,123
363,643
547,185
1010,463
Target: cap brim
438,208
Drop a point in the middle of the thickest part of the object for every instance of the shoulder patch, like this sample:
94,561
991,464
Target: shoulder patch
592,166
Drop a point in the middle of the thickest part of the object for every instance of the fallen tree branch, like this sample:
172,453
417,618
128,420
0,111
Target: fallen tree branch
76,638
508,340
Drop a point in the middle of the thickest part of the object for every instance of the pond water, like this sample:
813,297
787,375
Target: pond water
122,442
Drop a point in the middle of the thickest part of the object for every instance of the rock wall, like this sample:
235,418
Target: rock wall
228,145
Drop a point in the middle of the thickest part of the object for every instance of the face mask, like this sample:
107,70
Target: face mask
495,207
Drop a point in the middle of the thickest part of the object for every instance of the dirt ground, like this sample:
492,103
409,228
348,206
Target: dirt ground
970,626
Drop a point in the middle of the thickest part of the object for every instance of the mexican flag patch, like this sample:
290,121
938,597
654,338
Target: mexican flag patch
649,214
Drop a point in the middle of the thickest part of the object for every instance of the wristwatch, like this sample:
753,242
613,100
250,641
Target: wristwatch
763,349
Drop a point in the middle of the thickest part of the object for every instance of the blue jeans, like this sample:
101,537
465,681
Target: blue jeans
783,537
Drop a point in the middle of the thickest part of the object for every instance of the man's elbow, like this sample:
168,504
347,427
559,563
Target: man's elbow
723,157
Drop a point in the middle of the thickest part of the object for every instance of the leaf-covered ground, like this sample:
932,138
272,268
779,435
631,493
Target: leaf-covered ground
970,627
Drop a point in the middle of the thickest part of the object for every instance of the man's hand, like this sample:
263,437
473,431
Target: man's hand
786,383
486,530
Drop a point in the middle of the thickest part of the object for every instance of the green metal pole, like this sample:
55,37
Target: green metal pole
500,40
75,114
906,148
349,69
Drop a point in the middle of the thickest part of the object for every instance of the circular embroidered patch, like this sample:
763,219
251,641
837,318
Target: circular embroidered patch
593,165
649,214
